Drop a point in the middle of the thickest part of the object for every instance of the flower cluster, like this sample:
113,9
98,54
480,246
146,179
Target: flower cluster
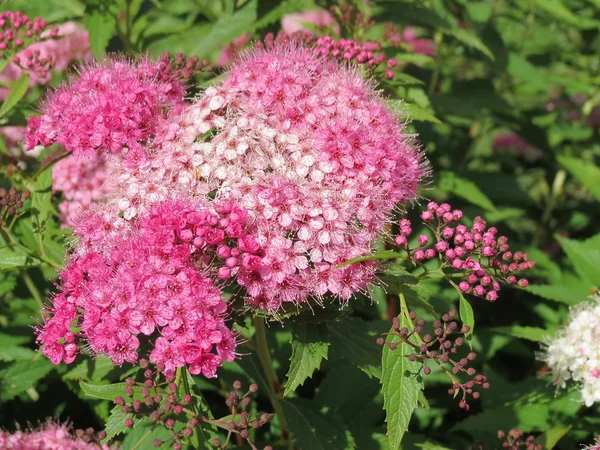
573,353
313,154
484,257
113,106
10,202
131,283
394,38
595,445
320,19
441,347
82,182
52,436
516,440
17,29
164,402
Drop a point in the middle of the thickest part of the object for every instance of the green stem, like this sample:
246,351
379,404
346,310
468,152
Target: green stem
35,293
142,439
266,361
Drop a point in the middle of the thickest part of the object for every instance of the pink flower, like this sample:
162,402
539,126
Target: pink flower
50,436
321,19
232,49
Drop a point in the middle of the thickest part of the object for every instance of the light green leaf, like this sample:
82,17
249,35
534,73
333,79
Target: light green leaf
226,29
529,333
461,187
381,254
90,369
313,430
17,91
418,113
107,391
309,347
558,10
585,258
41,204
467,317
20,376
402,382
567,294
586,173
16,354
101,28
550,438
15,258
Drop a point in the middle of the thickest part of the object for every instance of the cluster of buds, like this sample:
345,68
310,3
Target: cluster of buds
484,257
351,18
516,440
32,61
368,55
160,399
240,422
90,436
17,31
442,348
182,68
10,202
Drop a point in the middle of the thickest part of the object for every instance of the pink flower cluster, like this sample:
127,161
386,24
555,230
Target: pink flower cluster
50,436
16,29
484,257
113,107
408,37
82,182
319,18
132,283
58,49
315,156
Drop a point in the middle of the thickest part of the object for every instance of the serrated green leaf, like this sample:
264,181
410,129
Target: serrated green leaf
21,375
402,382
16,93
463,188
418,113
355,340
309,347
100,26
313,430
16,354
550,438
108,391
529,333
586,173
567,294
41,204
143,432
467,316
226,29
15,258
585,258
561,12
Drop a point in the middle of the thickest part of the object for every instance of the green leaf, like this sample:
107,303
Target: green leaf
418,113
309,347
41,204
90,369
355,340
20,376
107,391
381,254
203,433
16,354
586,173
550,438
529,333
585,258
402,382
467,317
411,14
562,293
558,10
16,258
461,187
143,431
470,39
313,430
17,91
226,29
100,25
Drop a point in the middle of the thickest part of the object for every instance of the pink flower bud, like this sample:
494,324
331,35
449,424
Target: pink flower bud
423,240
448,217
389,74
485,281
446,207
492,296
224,273
459,239
459,251
450,254
441,246
419,255
223,251
457,214
430,253
447,232
469,245
472,278
426,216
231,262
479,290
512,279
400,241
457,263
464,286
523,283
432,206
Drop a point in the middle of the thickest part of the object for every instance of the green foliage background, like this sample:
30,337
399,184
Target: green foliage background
498,65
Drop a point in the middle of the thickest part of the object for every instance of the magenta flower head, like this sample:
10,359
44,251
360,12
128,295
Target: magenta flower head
51,436
113,106
315,156
131,286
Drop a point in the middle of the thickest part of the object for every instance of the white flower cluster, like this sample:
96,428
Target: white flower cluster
574,353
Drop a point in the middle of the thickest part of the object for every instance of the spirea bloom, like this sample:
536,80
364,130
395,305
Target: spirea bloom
50,436
130,284
594,446
81,182
113,106
309,149
574,352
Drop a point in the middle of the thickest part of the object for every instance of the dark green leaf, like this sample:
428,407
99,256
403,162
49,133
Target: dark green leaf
586,173
466,315
309,347
550,438
17,91
529,333
21,375
461,187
